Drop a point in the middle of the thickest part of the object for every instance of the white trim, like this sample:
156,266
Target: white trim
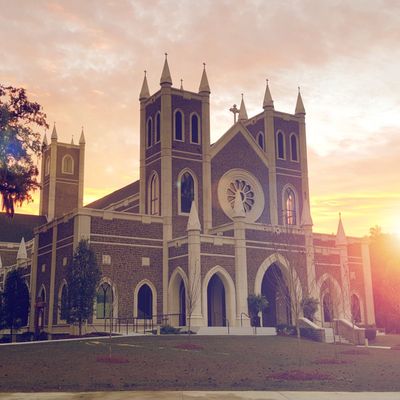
178,186
297,147
154,298
198,128
279,131
63,161
183,125
230,294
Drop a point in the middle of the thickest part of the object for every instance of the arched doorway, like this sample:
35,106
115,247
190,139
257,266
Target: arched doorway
327,308
177,298
145,302
355,308
216,302
274,288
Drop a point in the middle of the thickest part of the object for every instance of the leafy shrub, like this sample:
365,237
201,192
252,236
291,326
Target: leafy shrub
42,336
169,330
370,333
286,330
25,337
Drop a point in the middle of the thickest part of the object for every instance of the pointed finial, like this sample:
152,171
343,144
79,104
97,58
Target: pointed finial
242,111
144,91
72,140
300,110
341,239
54,133
45,139
204,85
193,220
82,138
22,254
166,75
238,208
268,102
181,84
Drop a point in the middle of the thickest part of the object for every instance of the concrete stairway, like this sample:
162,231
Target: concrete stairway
330,337
236,331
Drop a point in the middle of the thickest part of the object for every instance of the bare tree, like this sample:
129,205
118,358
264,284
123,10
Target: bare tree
192,294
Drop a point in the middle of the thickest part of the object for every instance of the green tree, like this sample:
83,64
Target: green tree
15,308
256,303
19,146
83,276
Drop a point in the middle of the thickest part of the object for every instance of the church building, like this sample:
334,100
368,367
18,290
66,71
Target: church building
205,226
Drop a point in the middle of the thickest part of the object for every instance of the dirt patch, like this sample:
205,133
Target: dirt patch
332,361
355,352
112,360
298,375
188,346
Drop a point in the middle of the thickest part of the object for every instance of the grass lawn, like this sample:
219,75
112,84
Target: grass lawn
220,363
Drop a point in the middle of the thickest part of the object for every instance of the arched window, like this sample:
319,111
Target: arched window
158,127
63,303
42,295
104,301
290,207
260,139
194,128
149,132
68,165
154,195
294,156
187,192
280,148
355,308
47,168
145,303
178,124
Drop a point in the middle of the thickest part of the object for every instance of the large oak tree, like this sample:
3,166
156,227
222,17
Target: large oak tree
20,146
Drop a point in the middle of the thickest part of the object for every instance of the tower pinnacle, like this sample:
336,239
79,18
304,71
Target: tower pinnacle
268,102
299,105
166,75
144,92
204,86
242,111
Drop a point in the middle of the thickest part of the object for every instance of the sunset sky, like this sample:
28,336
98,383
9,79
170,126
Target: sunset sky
84,61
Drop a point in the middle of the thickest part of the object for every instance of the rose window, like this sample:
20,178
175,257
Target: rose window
240,186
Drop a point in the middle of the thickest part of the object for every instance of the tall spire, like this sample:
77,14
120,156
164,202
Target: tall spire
242,112
144,92
82,138
299,105
204,86
72,140
181,88
193,220
45,143
306,219
268,102
22,254
54,135
166,75
341,239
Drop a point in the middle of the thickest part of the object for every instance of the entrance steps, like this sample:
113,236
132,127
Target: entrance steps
330,337
236,331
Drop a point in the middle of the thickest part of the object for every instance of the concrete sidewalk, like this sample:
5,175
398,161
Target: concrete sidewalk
209,395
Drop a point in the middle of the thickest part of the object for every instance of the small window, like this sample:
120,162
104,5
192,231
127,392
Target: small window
194,125
47,168
187,192
290,207
293,148
158,127
178,122
280,146
67,165
260,139
154,195
149,132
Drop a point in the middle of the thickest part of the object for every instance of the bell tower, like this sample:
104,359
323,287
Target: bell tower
62,174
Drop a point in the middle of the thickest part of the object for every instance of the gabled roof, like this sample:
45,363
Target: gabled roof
20,225
230,134
115,197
